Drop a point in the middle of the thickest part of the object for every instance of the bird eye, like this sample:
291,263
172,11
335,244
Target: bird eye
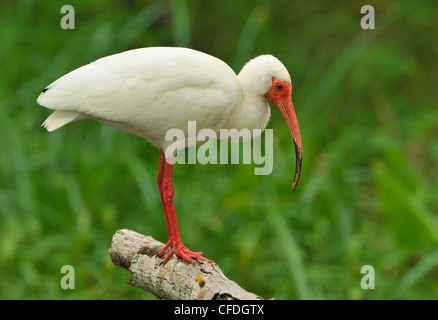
279,86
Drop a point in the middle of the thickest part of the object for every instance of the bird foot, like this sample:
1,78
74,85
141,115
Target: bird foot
183,252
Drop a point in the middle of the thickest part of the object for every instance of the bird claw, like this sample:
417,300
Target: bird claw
166,246
182,252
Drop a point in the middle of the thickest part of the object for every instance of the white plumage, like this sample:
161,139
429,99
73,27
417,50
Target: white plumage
151,90
148,91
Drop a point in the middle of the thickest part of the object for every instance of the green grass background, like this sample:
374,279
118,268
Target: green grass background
366,101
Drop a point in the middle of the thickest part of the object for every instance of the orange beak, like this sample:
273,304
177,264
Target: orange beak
282,98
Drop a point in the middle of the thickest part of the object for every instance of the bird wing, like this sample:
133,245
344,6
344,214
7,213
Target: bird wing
149,89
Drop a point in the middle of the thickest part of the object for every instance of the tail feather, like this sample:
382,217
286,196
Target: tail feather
60,118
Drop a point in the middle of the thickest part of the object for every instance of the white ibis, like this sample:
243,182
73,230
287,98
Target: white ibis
148,91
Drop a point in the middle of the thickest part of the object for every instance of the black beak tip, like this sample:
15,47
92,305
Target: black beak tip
295,183
298,163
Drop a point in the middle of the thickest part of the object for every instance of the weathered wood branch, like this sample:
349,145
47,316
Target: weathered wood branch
175,280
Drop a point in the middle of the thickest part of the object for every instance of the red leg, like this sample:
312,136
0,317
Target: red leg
160,189
166,192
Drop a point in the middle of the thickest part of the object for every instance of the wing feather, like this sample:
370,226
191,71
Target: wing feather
150,89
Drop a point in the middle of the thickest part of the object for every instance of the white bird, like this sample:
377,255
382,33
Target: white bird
148,91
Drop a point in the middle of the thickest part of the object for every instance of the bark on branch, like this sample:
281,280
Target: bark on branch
175,280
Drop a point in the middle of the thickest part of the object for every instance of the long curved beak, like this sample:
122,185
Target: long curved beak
287,109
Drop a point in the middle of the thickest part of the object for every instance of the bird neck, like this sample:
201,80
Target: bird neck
253,112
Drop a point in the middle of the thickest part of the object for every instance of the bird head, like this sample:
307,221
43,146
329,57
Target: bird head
274,82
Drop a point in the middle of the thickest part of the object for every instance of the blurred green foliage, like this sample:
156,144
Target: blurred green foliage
366,101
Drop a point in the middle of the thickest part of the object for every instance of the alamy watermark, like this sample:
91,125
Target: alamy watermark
368,280
67,281
368,20
68,20
215,147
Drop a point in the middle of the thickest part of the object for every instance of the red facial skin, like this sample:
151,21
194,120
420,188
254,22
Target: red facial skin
280,94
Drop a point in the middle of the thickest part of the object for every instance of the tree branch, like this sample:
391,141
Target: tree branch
175,280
